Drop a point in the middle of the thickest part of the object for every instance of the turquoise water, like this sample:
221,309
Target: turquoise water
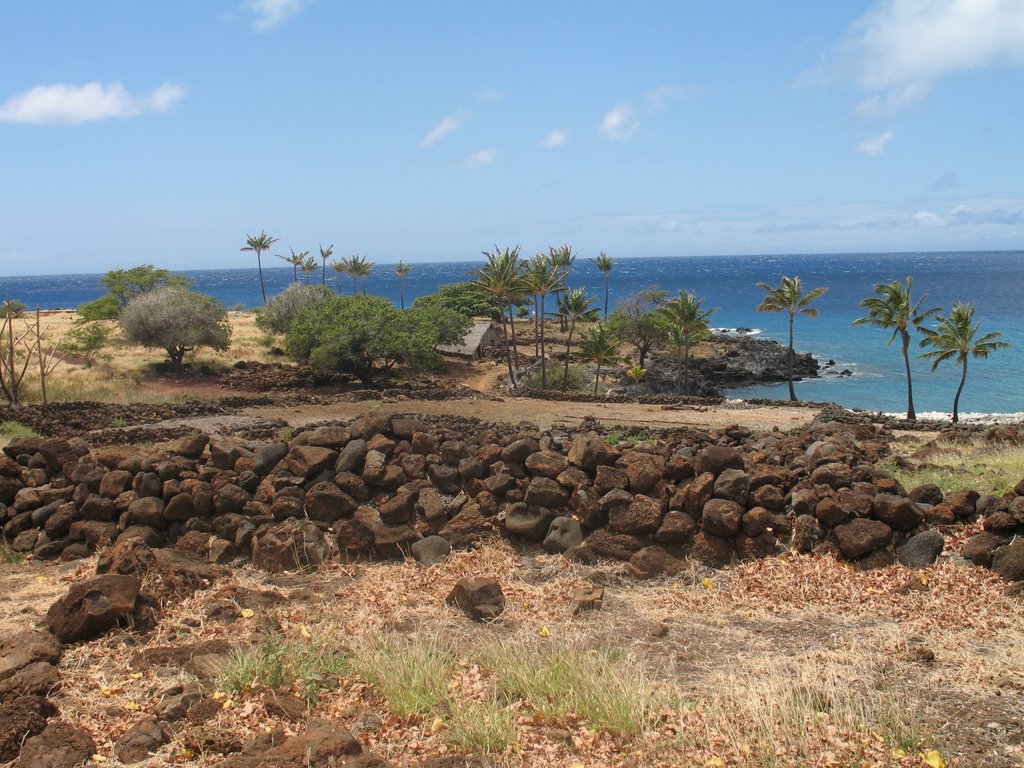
992,280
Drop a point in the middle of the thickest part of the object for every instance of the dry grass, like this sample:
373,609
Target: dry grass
979,465
790,662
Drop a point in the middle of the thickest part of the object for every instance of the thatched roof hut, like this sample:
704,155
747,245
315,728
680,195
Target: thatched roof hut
483,335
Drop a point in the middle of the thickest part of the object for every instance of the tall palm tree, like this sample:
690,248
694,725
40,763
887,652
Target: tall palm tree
501,278
341,267
401,269
308,266
605,263
788,296
541,277
359,266
891,309
955,337
562,257
325,254
258,244
296,260
688,323
575,307
600,347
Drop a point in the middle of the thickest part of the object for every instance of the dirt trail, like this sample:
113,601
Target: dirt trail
548,415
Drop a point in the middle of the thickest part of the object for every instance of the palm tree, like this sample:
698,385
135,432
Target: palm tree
605,264
688,323
401,269
308,265
891,309
359,266
955,336
789,297
259,243
501,277
541,277
575,306
600,347
562,257
296,260
325,254
341,267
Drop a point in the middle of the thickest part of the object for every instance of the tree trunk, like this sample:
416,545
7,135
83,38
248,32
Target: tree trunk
911,414
956,400
792,392
568,346
508,351
512,326
686,367
42,360
401,291
263,290
323,277
597,377
543,360
605,295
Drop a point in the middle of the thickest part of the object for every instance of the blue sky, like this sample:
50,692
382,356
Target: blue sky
165,132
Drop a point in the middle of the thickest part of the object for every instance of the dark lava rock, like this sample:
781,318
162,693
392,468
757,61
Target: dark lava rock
60,745
1008,560
479,597
431,550
140,741
860,536
93,606
921,550
563,534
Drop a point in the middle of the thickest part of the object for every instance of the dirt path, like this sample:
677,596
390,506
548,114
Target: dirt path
548,415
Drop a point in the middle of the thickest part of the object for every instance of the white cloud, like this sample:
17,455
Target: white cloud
62,104
490,96
478,159
555,138
446,125
270,14
875,145
900,48
620,123
948,180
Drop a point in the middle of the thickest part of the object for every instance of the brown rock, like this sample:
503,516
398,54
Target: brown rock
327,503
20,719
588,597
468,528
59,745
721,517
545,492
309,460
978,549
806,533
289,545
588,452
644,472
620,546
479,597
641,515
20,649
546,464
860,536
324,744
716,458
830,513
140,741
93,606
732,485
711,550
654,561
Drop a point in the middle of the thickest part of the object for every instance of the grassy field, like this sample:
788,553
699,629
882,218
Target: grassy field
978,464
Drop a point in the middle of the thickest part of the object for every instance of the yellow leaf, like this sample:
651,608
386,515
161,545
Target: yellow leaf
708,583
922,577
131,706
218,695
135,675
714,762
107,691
228,704
98,759
438,725
304,631
898,753
248,613
544,632
934,759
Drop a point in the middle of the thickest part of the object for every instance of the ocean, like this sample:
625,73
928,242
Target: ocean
994,281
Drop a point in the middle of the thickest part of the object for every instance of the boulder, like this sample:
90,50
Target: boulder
173,573
921,550
59,745
351,457
588,452
289,545
717,458
21,719
644,471
468,527
711,550
479,597
563,534
323,744
546,464
979,548
431,550
309,460
37,679
835,475
806,533
653,561
327,503
267,457
545,492
676,528
732,485
140,741
518,451
1008,560
641,515
20,649
898,512
929,493
860,536
93,606
529,521
721,517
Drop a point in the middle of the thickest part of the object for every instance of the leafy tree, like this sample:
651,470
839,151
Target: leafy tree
12,308
688,323
103,308
466,298
401,269
541,277
636,321
956,336
363,334
278,315
605,264
341,268
125,284
601,348
86,338
892,310
501,277
308,266
258,244
360,266
788,296
575,306
325,254
177,320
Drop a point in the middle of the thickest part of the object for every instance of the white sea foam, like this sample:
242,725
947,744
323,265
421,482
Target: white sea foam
738,332
967,418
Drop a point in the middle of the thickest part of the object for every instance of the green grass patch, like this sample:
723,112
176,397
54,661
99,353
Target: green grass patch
412,674
276,661
11,429
9,557
981,467
487,726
